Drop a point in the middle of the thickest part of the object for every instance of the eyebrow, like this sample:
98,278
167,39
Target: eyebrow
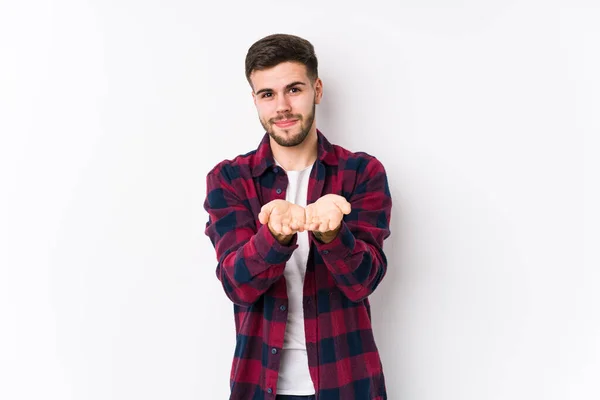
287,87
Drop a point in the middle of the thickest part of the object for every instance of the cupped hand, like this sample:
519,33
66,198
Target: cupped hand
326,214
282,217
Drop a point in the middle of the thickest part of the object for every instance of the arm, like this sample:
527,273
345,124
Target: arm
250,260
355,256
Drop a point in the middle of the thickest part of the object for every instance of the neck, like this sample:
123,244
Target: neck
298,157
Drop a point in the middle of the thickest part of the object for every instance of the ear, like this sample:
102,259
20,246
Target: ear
318,90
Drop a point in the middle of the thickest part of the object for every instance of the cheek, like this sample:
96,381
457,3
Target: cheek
264,111
304,106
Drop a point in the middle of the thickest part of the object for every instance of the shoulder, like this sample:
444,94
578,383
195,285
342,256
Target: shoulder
359,161
365,170
235,168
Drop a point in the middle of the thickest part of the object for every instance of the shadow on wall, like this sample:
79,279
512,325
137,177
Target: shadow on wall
355,106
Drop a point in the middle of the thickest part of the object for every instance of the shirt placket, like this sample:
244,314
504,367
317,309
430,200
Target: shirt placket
279,190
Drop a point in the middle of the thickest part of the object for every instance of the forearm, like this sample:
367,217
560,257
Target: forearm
357,266
252,268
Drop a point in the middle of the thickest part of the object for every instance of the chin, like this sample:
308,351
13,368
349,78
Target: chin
288,139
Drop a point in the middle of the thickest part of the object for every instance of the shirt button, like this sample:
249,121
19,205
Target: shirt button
274,351
325,251
269,390
282,307
276,170
278,191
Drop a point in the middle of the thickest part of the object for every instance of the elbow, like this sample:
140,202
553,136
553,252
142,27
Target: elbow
356,296
361,290
239,293
241,299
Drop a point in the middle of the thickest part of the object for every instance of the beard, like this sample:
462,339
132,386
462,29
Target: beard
293,139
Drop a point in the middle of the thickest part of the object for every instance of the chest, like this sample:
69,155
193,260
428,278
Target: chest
275,184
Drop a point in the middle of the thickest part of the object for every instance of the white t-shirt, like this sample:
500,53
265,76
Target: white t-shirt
294,377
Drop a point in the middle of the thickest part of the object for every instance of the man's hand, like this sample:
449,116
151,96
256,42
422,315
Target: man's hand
324,217
284,219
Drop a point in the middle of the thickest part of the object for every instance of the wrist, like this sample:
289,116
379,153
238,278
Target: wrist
280,237
327,237
284,239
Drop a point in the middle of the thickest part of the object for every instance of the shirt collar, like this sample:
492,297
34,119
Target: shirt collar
264,155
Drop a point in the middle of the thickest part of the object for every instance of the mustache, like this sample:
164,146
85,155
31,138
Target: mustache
286,116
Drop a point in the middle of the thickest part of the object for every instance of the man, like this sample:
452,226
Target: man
298,227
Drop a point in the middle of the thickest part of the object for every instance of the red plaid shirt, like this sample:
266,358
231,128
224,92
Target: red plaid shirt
343,359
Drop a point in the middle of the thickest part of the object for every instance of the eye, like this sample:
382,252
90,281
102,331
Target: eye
265,95
295,90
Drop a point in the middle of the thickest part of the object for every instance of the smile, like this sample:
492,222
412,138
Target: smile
286,123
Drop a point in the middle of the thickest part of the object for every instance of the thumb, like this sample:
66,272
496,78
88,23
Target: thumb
343,205
265,213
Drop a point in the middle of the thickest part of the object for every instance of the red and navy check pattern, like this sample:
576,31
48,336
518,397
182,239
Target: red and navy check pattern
343,358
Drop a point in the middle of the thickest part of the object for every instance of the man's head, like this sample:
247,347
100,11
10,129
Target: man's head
282,71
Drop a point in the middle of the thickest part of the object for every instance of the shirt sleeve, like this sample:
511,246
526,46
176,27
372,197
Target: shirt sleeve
355,257
250,259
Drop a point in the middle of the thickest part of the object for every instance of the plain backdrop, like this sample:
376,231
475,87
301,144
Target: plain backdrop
484,113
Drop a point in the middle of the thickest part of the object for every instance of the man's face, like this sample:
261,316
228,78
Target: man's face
286,100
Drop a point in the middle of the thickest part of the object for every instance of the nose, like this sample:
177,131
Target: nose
283,104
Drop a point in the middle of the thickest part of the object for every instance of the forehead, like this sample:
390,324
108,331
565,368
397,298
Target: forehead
279,76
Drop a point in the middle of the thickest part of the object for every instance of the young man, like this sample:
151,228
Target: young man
298,227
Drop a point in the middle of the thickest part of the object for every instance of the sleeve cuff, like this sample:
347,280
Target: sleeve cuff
340,247
270,249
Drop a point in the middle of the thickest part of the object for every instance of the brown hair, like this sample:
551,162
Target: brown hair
277,48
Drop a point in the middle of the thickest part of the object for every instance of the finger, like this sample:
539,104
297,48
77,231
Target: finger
315,219
296,226
280,229
333,224
313,225
297,219
324,226
286,230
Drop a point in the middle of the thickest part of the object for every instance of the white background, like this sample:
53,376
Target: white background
485,115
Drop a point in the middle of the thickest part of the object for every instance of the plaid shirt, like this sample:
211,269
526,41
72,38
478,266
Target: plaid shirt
343,359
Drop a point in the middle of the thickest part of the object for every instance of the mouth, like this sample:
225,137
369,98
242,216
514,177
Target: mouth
286,123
